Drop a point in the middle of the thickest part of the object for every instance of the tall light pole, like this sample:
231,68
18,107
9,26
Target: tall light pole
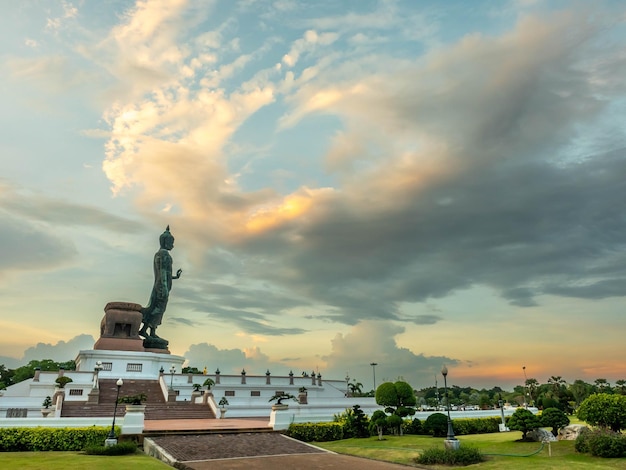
111,437
525,387
347,385
374,364
450,436
172,372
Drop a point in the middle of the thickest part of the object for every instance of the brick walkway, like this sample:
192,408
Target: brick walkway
254,451
247,449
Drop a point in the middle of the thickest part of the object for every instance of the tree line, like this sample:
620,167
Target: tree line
10,377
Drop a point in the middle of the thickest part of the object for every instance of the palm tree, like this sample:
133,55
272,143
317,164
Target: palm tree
602,385
531,386
557,382
355,388
621,383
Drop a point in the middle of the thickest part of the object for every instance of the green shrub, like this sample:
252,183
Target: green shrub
121,448
436,425
461,457
604,410
319,432
50,439
524,420
354,421
601,443
555,419
464,426
609,445
413,426
133,399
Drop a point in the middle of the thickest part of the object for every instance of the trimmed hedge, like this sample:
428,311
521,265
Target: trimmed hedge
51,439
464,426
461,457
318,432
122,448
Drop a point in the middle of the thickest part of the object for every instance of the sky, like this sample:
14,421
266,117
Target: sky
406,182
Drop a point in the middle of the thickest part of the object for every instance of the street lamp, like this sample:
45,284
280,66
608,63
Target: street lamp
525,388
374,364
444,372
501,405
347,385
172,372
111,436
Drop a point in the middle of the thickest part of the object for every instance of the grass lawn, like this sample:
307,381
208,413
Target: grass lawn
78,461
500,449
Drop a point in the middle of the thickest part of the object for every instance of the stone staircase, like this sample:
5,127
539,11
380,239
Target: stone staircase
156,406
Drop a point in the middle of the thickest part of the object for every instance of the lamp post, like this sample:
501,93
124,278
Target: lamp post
347,385
374,364
501,405
111,440
451,441
172,372
525,388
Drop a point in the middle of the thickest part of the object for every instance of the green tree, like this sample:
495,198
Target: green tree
555,419
28,371
524,420
395,422
620,385
580,390
356,388
602,386
602,409
378,422
395,396
531,387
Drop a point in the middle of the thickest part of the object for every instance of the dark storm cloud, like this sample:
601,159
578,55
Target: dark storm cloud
517,208
253,310
499,184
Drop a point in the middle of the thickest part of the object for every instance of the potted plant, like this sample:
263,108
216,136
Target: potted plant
138,399
302,396
62,381
279,397
208,383
223,402
46,407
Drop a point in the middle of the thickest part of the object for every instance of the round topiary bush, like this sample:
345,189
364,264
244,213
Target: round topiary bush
436,425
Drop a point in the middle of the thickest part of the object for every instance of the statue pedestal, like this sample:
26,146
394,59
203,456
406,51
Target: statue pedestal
119,328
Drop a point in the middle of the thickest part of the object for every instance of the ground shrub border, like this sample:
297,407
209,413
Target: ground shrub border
319,432
51,439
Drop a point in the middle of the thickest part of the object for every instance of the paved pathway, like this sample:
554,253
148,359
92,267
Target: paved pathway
232,449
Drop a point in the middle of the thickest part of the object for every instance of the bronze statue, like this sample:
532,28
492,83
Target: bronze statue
152,314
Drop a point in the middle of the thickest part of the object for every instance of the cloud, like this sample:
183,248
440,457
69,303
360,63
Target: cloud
59,352
232,361
309,41
29,246
374,341
451,170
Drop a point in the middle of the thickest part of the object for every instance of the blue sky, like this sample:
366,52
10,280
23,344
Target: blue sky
406,182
